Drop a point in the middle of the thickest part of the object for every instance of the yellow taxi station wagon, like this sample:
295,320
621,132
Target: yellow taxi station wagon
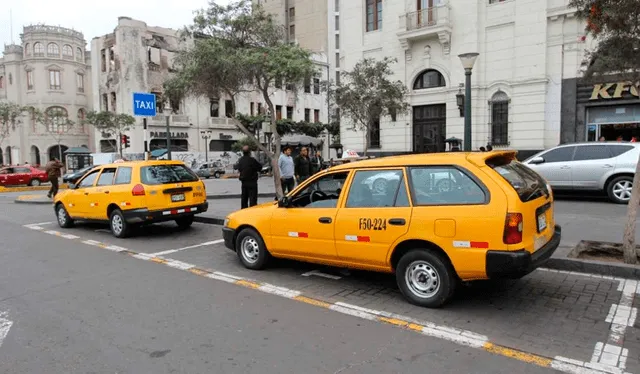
131,194
432,219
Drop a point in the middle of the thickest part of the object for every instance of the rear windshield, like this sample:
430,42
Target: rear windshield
164,174
528,184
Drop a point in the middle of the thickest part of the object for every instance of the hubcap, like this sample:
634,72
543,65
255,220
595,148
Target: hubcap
250,249
62,216
36,182
444,186
422,279
116,224
622,190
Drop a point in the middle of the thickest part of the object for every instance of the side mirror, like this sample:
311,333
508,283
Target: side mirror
284,202
72,186
537,161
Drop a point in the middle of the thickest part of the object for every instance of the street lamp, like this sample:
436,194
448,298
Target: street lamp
468,60
206,135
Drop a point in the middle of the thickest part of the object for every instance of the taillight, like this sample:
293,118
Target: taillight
138,190
513,228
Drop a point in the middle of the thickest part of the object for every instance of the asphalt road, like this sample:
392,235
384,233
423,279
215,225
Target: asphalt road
78,308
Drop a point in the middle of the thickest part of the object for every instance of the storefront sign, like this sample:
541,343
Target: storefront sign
225,137
614,91
174,135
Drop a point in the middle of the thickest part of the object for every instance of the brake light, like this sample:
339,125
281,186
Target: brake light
138,190
513,228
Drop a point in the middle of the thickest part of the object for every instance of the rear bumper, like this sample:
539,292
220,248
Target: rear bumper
150,216
228,235
516,264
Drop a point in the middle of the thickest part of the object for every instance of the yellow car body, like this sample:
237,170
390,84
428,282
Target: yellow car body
132,193
452,216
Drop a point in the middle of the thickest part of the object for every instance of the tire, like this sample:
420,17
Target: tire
444,185
619,189
185,222
119,227
216,175
431,292
252,252
62,217
35,182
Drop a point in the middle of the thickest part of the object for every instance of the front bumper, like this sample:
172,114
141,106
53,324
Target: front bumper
151,216
517,264
228,235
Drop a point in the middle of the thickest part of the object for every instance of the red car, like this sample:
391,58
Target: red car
23,174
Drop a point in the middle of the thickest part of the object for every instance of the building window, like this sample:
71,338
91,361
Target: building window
289,112
337,23
429,79
337,60
337,78
496,1
337,6
82,115
278,111
316,115
499,105
214,107
260,111
53,50
228,108
54,80
104,103
58,119
307,115
292,14
374,15
38,50
1,82
27,49
80,82
103,60
30,80
316,86
337,41
67,51
307,85
374,134
252,108
292,32
79,54
113,102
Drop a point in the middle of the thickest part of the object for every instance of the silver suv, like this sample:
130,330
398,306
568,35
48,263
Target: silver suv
594,166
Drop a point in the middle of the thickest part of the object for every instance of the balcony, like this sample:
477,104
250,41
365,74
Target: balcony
222,123
426,24
176,120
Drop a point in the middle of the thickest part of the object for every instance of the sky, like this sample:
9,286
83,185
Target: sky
93,18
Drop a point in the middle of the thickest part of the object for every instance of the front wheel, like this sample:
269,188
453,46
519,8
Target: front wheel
35,182
64,220
184,222
619,189
426,278
119,226
251,250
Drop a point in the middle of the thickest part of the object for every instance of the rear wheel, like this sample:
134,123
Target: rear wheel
426,278
216,175
619,189
35,182
64,220
184,222
119,226
251,250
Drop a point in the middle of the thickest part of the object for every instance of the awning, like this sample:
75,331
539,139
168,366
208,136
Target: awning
300,140
158,152
77,150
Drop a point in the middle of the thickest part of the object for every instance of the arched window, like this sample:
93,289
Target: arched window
53,50
57,120
429,79
82,115
38,49
499,111
67,51
78,54
27,49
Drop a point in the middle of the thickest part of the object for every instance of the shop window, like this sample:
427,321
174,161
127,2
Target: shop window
177,145
499,106
228,108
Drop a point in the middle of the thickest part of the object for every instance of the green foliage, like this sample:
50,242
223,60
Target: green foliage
109,122
285,126
237,146
10,118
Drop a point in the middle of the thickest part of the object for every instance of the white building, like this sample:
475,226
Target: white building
49,70
526,48
137,58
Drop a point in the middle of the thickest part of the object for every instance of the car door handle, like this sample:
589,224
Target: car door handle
397,221
324,220
607,166
86,193
106,191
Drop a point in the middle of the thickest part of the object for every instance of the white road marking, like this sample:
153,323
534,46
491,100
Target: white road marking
321,274
39,224
189,247
35,227
5,326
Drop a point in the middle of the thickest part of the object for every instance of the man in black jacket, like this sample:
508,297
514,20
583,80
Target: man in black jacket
302,165
249,169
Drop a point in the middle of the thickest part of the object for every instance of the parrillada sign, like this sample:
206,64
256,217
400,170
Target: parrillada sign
619,90
174,135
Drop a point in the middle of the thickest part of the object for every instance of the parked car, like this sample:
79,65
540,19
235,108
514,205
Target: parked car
73,177
593,166
22,175
212,169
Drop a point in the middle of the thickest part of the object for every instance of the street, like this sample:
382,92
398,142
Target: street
167,300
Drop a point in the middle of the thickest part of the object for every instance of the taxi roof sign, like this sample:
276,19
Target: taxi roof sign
350,154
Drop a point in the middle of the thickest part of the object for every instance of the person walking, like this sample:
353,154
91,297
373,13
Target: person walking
249,170
287,176
53,172
317,162
302,165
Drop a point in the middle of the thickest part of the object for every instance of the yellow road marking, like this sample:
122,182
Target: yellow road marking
159,260
247,284
197,271
518,355
310,301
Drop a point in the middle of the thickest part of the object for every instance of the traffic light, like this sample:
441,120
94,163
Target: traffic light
124,140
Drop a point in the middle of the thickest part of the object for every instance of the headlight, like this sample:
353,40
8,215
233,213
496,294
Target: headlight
226,222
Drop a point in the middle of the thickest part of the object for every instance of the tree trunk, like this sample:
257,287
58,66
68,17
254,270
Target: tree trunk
629,237
366,140
277,142
60,152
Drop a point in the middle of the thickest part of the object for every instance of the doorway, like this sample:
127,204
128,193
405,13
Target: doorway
425,13
429,128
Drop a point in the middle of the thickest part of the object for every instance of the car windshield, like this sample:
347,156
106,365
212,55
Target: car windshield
528,184
164,174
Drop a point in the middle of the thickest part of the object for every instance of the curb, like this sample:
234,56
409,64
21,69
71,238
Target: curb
32,202
28,189
594,267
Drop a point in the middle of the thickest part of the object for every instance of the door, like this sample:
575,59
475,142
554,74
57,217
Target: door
556,167
102,194
22,175
376,214
591,163
80,201
305,229
429,128
7,177
425,13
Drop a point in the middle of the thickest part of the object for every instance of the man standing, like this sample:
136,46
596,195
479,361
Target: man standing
318,162
285,164
249,169
53,171
303,165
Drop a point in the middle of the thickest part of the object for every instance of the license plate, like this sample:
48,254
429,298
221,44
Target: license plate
542,222
177,197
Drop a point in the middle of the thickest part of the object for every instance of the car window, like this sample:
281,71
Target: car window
89,179
619,149
164,174
527,183
23,170
106,178
402,198
444,185
374,188
562,154
591,152
123,176
323,192
7,171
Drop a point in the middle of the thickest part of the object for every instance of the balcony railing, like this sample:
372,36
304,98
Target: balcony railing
174,119
222,122
426,24
429,17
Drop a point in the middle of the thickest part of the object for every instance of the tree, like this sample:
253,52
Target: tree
366,94
239,48
114,124
237,146
615,26
56,123
10,119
